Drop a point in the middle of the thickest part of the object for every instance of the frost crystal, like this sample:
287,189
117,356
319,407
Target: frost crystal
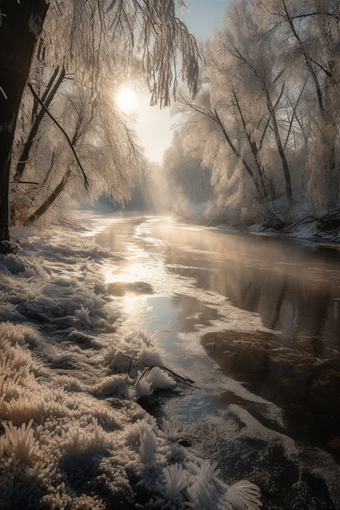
244,495
148,445
159,379
19,442
170,431
174,476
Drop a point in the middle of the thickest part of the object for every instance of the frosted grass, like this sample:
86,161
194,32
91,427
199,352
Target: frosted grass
73,434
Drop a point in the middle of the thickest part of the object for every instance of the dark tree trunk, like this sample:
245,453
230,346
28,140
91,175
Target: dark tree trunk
21,25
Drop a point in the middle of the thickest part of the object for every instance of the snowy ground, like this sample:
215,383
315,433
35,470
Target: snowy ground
72,379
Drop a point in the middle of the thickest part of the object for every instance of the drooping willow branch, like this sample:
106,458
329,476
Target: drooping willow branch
86,182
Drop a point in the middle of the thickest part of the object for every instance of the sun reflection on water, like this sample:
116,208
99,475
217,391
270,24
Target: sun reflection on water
130,301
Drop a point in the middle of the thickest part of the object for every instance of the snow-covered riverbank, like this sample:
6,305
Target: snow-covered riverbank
74,434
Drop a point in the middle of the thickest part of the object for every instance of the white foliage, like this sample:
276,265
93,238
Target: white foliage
159,379
114,384
174,476
79,441
203,496
148,445
244,495
151,357
83,315
170,430
134,431
18,334
19,443
208,471
143,388
21,406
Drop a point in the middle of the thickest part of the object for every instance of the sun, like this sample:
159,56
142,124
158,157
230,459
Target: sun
127,100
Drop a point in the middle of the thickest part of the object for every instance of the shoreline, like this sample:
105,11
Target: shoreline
73,434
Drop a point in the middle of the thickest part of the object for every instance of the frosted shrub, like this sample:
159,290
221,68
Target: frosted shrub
12,383
134,432
19,443
203,496
23,408
79,441
143,388
159,379
174,476
136,341
209,493
75,441
114,384
170,431
243,495
151,357
208,471
18,334
83,315
13,357
148,444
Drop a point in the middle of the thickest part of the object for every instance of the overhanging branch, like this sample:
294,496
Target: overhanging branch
86,182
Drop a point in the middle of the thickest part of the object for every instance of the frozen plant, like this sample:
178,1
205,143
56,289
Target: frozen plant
243,495
134,431
159,379
19,442
23,408
208,470
75,442
83,315
114,384
174,476
151,357
204,496
170,430
143,388
148,445
18,333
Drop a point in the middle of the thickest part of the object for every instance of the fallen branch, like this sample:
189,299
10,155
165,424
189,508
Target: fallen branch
296,223
185,379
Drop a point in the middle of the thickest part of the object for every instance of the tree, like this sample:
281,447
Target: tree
90,32
304,33
21,24
268,107
188,178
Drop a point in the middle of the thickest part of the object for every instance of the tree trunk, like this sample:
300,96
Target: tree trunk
21,25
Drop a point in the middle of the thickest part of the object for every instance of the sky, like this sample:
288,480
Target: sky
154,126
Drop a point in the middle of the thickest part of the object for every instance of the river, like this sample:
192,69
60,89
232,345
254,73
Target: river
254,321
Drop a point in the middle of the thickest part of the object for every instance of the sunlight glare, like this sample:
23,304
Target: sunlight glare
127,100
130,302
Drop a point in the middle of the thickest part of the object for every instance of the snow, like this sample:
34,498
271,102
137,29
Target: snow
74,434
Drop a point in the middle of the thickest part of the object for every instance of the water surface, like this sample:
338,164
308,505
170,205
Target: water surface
254,320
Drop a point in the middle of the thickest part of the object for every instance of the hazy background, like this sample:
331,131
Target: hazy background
154,125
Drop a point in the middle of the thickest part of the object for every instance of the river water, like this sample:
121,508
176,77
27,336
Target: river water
254,321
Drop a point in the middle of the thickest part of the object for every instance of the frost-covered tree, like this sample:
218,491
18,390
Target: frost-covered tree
303,35
87,36
96,131
248,86
267,112
188,178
